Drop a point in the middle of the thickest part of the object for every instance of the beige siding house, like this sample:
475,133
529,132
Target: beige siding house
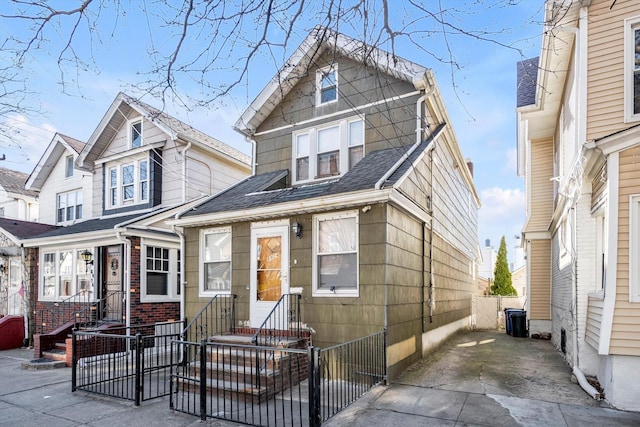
361,201
579,151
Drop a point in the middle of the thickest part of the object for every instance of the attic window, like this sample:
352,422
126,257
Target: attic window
136,134
68,171
327,84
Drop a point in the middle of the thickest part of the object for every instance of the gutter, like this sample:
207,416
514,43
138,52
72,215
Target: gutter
184,171
413,148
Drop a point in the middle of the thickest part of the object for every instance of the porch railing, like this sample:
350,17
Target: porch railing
63,311
10,303
109,308
282,323
218,317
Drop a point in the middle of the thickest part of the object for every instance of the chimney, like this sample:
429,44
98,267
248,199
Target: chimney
487,243
470,166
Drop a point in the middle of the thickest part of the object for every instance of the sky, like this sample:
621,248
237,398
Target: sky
119,45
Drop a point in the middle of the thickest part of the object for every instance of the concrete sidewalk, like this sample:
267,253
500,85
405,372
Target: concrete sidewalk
485,379
474,379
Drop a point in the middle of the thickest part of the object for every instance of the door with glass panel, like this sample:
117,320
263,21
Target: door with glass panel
269,269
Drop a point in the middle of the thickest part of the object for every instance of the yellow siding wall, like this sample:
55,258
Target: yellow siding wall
598,186
540,283
625,333
605,65
541,187
594,320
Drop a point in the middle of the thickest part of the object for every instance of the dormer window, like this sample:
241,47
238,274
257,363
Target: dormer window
136,134
128,184
327,85
327,151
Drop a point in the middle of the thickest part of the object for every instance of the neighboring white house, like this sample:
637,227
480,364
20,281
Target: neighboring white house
15,201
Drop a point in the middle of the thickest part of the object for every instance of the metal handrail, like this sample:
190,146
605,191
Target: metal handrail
216,317
282,322
63,311
93,314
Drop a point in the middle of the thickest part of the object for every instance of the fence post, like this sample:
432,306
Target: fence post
74,360
314,386
203,379
384,357
138,386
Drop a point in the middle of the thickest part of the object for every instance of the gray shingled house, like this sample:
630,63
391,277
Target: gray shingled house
360,201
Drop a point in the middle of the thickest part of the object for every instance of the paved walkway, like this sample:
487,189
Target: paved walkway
474,379
485,379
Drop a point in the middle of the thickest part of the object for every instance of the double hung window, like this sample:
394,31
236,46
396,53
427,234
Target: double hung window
160,272
330,150
632,69
69,206
327,85
336,254
128,183
216,261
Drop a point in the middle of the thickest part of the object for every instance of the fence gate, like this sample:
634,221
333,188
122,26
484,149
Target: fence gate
488,311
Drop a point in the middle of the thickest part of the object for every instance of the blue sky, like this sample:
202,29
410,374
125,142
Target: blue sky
481,108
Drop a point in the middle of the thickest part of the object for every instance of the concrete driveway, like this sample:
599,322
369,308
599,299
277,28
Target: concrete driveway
485,378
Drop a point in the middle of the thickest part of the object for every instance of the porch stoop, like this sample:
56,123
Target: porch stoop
234,370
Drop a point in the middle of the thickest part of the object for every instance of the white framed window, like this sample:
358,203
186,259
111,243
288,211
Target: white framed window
159,272
327,151
128,184
63,273
335,254
327,85
69,206
634,248
68,167
215,261
632,69
135,134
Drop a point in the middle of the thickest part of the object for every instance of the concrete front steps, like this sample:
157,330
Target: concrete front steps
238,371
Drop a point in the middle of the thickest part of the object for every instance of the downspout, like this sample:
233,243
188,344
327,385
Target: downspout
184,171
182,269
127,273
253,154
431,263
26,310
419,130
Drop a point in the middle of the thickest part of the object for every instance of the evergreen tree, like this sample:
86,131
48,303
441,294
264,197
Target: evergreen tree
502,284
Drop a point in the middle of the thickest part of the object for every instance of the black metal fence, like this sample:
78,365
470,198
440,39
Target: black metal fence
131,363
271,386
345,372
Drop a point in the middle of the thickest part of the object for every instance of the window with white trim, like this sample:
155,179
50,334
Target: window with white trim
63,273
632,69
135,134
160,272
68,167
69,206
335,247
128,184
327,151
634,248
215,259
327,85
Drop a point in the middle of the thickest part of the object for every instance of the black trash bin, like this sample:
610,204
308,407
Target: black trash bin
507,317
519,324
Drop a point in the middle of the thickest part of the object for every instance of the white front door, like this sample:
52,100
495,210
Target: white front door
269,268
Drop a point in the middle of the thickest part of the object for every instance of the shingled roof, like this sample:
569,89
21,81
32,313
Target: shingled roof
13,182
24,229
268,189
527,76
